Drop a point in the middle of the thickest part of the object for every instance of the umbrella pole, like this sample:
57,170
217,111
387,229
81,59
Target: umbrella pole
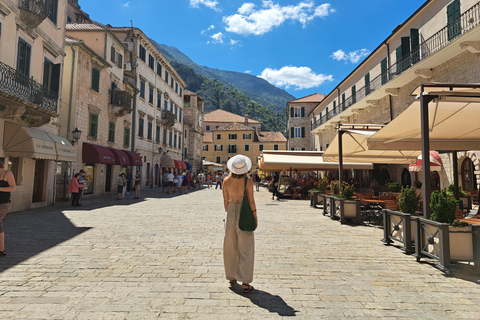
426,192
340,158
455,174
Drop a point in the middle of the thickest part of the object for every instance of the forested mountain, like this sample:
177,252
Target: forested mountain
236,92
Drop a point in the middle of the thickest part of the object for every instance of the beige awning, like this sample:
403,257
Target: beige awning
20,141
167,162
355,149
309,161
65,150
453,123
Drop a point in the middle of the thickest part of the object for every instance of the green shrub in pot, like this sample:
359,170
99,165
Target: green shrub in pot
322,184
443,207
348,190
395,187
409,200
335,187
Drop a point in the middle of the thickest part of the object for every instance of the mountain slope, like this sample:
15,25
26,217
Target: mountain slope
258,89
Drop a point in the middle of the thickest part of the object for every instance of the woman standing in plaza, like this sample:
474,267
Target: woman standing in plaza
7,185
238,245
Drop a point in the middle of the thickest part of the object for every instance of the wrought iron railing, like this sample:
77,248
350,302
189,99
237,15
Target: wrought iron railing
121,98
19,86
34,6
466,22
168,118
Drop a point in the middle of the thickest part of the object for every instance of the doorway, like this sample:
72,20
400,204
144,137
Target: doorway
108,178
468,176
155,174
406,178
147,177
39,181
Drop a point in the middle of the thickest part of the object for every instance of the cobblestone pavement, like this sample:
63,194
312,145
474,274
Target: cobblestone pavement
161,257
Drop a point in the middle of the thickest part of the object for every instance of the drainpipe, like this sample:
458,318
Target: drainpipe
69,128
134,113
338,97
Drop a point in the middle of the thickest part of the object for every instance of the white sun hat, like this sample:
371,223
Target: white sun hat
239,164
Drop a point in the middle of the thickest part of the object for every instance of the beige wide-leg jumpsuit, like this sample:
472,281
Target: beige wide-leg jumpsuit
238,247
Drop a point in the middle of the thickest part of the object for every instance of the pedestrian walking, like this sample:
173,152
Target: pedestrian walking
164,181
170,178
81,182
7,185
256,180
209,180
121,181
138,184
184,183
238,245
274,184
219,180
75,188
189,178
201,180
129,181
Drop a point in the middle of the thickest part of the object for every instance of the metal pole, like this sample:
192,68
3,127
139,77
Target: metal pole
424,100
455,174
340,158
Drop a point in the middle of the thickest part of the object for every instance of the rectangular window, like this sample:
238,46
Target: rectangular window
218,159
142,89
171,82
298,112
126,137
164,136
51,8
298,132
181,92
23,58
232,148
205,147
176,87
51,76
383,67
207,128
159,100
93,126
179,141
219,136
120,61
176,113
232,136
159,69
165,104
151,62
140,127
113,54
157,134
247,147
275,147
186,153
111,131
247,136
166,76
180,116
185,135
219,147
171,106
170,138
150,95
142,53
150,130
260,147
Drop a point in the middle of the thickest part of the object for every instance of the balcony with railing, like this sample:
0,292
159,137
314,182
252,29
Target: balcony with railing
121,102
442,38
32,12
17,89
168,118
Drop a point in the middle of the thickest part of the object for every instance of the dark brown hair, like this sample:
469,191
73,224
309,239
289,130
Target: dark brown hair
237,176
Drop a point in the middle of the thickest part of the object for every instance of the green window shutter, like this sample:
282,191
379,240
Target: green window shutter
95,79
367,83
354,94
399,63
92,132
383,66
292,112
303,112
126,137
111,131
303,132
405,46
292,132
454,24
334,106
414,38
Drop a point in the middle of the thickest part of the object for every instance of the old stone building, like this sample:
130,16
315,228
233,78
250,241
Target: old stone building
193,130
32,35
438,43
298,124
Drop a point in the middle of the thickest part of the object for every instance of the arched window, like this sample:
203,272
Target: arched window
406,178
469,180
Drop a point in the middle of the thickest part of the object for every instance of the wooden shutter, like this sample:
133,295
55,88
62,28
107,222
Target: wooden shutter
405,46
383,66
55,79
95,79
354,94
303,132
292,112
414,38
398,52
454,24
303,112
292,132
112,54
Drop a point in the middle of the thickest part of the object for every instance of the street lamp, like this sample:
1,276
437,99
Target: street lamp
76,135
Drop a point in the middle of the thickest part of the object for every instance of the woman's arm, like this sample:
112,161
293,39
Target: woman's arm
251,199
225,194
11,182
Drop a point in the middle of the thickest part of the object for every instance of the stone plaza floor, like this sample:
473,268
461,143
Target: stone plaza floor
160,257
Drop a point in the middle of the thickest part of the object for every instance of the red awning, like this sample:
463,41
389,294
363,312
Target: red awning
135,159
178,164
92,153
184,165
121,158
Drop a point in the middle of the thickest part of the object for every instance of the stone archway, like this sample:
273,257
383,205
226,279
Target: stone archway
474,157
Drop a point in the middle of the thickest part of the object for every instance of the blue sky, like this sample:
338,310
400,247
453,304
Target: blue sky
302,46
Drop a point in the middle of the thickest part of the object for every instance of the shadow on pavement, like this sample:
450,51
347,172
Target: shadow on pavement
265,300
29,233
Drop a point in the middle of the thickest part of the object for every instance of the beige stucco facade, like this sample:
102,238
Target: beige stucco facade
445,53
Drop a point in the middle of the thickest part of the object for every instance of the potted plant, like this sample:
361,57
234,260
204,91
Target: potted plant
395,187
465,201
409,200
316,194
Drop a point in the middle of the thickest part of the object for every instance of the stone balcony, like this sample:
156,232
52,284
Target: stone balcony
32,12
120,102
168,118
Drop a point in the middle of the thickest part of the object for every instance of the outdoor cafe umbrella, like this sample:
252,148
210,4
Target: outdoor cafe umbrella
435,161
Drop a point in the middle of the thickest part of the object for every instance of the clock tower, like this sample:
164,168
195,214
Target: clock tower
193,130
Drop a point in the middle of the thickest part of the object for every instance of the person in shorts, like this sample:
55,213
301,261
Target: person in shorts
170,178
7,185
138,184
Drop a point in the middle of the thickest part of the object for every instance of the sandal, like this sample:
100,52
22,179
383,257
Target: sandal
247,288
232,282
3,253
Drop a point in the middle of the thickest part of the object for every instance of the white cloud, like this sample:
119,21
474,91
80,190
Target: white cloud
127,4
353,56
208,29
218,37
299,77
233,42
249,20
212,4
248,71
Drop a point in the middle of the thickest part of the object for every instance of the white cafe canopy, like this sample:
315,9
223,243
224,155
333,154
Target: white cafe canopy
454,125
303,161
355,149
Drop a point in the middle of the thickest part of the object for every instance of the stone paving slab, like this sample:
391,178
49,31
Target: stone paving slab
161,258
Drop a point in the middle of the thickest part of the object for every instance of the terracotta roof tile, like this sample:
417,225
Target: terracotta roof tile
271,136
233,127
225,116
83,27
208,137
316,97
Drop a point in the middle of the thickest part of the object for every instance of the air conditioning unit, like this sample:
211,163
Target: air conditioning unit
127,66
129,45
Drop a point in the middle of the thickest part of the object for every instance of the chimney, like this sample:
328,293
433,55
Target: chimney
246,120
